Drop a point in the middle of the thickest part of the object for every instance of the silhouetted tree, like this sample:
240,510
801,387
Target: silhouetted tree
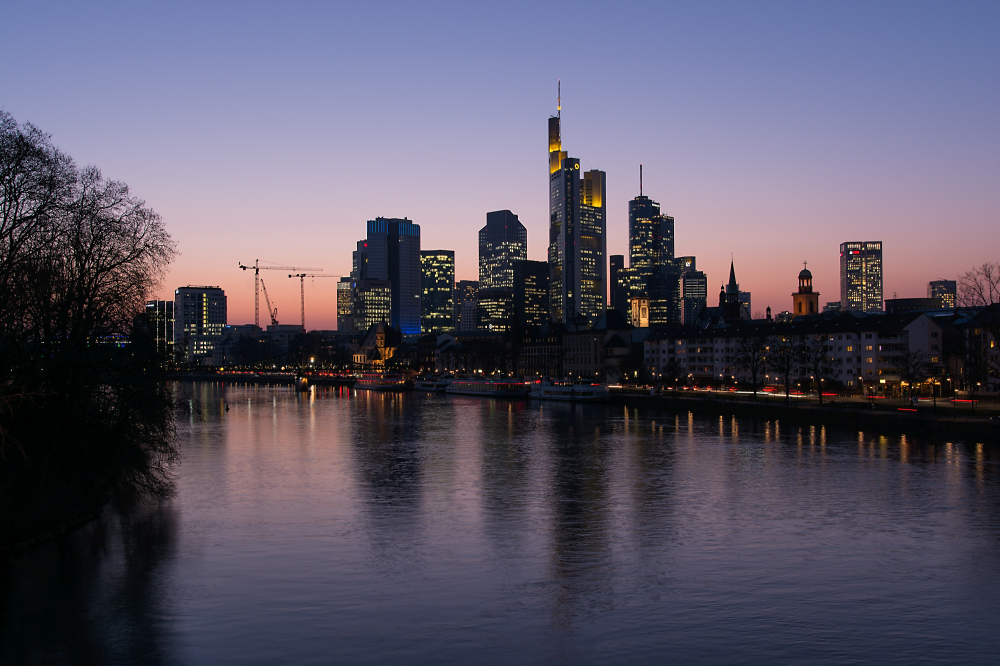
815,357
751,357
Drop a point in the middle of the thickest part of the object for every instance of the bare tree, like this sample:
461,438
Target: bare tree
815,357
751,357
784,358
913,367
979,294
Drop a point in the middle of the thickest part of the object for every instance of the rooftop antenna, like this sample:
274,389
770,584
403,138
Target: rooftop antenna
640,180
559,100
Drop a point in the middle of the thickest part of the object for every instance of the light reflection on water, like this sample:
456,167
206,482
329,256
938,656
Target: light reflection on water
375,528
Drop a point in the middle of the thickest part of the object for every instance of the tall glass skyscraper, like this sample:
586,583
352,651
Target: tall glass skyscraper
861,276
437,298
577,243
503,243
392,253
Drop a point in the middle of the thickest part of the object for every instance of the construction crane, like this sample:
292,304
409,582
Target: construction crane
302,289
257,268
272,313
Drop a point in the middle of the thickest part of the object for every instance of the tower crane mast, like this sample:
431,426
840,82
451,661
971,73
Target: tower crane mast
302,290
257,268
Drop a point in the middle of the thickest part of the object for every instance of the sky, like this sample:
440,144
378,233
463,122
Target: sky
772,132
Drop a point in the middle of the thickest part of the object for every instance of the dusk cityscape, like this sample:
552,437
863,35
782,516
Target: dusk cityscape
454,334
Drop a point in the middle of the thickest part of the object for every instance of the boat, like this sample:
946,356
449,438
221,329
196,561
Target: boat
570,391
490,388
433,384
383,382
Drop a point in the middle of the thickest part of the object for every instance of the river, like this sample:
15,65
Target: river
346,526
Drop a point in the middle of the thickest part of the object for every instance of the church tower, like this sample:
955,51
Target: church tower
805,301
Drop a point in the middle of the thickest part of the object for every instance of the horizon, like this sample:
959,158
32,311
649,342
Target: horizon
771,134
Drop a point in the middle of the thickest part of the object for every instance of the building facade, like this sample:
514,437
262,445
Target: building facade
861,276
199,322
345,306
694,294
943,289
466,318
160,319
577,242
372,303
531,293
437,297
391,253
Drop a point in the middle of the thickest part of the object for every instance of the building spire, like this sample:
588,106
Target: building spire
559,99
732,272
640,180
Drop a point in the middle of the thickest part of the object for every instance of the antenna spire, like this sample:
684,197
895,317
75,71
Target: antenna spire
640,180
559,100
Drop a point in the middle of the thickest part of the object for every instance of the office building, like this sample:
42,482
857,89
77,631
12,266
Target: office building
943,289
861,276
437,297
619,290
345,306
496,310
502,243
694,294
372,303
466,306
531,293
160,320
199,322
391,252
651,237
577,244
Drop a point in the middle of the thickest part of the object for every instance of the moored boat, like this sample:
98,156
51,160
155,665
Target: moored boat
490,388
388,381
570,391
433,384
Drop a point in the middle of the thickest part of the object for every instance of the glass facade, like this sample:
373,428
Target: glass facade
437,297
199,322
531,293
392,253
372,303
861,276
943,289
345,306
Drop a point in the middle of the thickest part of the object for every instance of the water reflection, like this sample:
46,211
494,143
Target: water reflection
341,525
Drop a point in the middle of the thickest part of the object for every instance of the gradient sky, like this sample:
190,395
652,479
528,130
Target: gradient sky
772,132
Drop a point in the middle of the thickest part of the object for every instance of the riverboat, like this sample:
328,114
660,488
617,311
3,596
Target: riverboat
490,388
383,382
432,384
570,391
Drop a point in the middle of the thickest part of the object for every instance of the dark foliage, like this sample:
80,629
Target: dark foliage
83,408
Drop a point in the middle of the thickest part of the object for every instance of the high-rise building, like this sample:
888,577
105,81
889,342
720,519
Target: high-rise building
502,243
619,290
372,303
437,298
943,289
199,321
392,253
531,293
466,318
694,294
651,237
160,319
861,276
345,306
577,244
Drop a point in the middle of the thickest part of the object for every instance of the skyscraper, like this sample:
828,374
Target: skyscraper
466,306
372,303
160,319
392,253
199,320
861,276
654,275
531,293
694,294
577,244
503,243
437,298
619,290
943,289
345,306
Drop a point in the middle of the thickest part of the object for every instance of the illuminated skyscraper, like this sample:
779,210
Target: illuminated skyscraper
577,245
694,294
345,306
531,293
199,320
861,276
943,289
619,290
437,298
372,303
503,243
392,253
466,305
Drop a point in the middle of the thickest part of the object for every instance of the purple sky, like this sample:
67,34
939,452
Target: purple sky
770,131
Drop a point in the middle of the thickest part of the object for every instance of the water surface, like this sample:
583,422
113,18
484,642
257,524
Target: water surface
358,527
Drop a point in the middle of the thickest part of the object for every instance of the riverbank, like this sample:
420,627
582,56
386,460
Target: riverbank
945,421
279,378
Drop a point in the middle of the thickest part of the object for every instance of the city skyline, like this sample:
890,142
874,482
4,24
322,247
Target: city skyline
773,144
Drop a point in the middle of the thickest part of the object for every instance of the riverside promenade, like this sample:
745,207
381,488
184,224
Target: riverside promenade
959,418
